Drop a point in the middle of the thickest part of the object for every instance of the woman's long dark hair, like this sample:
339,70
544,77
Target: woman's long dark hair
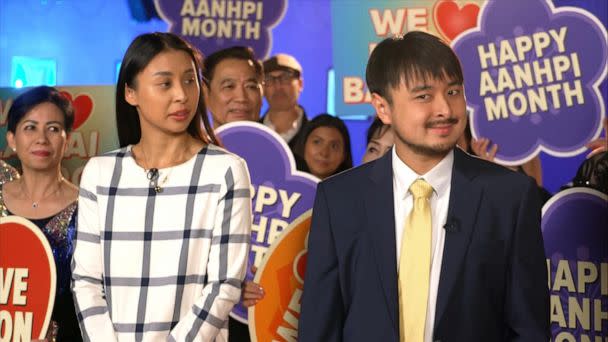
141,51
326,120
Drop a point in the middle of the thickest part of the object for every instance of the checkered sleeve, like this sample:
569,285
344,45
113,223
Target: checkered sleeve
87,265
227,259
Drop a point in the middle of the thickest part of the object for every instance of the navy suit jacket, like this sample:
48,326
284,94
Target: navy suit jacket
493,282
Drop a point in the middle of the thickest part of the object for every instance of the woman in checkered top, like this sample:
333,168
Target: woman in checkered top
164,222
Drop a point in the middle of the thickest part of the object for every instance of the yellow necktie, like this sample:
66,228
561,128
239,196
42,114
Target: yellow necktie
415,265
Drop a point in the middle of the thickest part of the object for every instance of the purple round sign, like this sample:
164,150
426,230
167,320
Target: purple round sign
280,193
213,25
575,232
532,75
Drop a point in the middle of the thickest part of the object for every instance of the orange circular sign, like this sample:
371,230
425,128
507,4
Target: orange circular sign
281,275
27,280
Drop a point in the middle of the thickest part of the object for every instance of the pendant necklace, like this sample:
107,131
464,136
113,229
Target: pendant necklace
36,204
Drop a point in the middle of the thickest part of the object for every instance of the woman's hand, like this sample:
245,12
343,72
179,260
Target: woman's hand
480,147
252,292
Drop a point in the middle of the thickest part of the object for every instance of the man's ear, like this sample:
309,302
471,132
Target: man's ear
382,107
130,96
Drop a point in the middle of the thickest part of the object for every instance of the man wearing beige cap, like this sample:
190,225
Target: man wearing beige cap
282,87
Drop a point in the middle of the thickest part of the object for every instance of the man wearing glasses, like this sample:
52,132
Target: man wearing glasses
282,87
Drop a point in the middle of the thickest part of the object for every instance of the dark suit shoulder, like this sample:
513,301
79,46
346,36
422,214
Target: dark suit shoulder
494,175
350,178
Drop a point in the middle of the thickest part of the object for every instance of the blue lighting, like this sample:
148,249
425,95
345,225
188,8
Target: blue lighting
331,92
117,70
30,71
331,98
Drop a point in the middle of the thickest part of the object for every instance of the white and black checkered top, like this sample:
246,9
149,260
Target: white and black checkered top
168,265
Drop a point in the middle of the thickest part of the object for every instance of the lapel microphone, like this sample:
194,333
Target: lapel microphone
451,226
152,174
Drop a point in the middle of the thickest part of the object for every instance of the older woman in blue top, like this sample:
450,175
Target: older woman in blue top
38,125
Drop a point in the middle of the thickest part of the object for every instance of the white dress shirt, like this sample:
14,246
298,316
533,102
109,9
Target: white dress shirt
292,131
439,177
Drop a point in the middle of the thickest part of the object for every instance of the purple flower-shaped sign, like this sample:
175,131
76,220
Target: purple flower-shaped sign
280,192
213,25
575,232
532,77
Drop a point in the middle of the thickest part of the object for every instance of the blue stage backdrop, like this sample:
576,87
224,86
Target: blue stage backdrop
75,43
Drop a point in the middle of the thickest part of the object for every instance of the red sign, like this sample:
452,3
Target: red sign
83,107
27,280
275,318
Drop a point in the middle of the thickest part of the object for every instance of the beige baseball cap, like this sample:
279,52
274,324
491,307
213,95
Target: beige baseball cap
282,61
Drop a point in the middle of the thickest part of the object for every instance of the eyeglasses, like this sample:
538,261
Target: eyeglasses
283,78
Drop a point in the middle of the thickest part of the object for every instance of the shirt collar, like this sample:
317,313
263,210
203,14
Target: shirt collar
295,127
438,177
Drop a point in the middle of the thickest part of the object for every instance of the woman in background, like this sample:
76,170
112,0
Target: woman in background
38,125
325,146
380,139
164,222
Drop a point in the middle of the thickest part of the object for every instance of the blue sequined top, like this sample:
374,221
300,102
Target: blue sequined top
59,230
7,172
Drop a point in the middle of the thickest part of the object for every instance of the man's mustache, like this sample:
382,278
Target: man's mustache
443,122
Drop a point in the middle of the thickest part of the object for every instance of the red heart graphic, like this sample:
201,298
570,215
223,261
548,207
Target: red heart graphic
451,20
83,107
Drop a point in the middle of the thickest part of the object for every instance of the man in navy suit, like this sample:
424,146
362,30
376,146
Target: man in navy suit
487,279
